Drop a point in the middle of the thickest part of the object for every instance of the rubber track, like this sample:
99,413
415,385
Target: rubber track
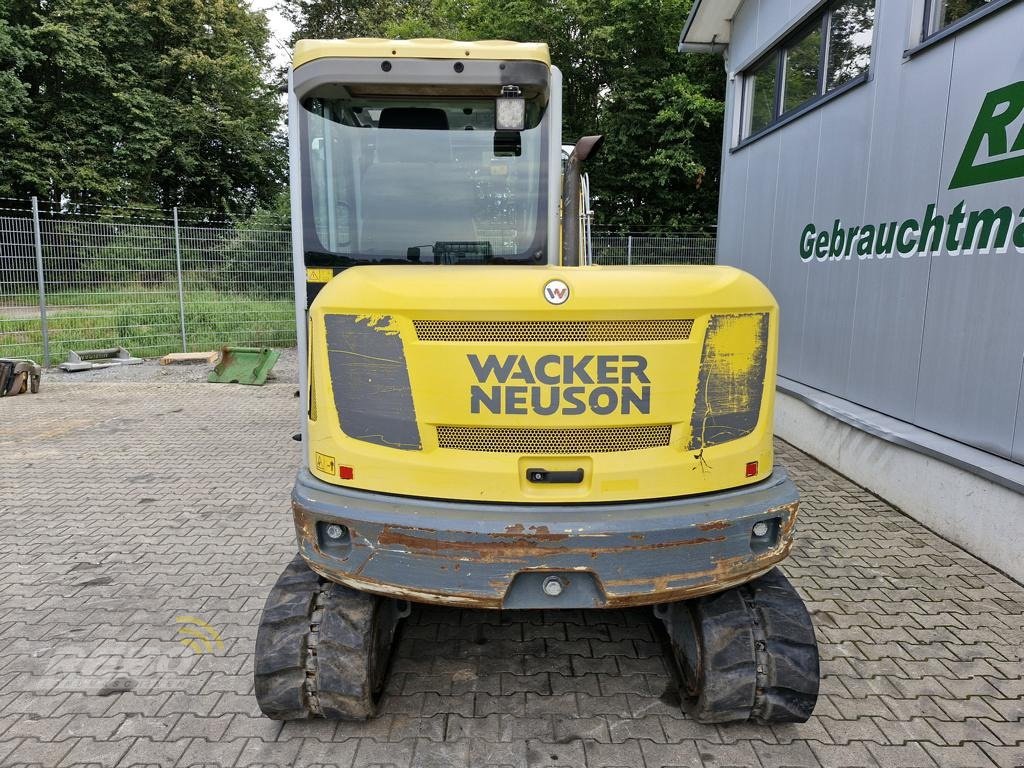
788,671
313,649
760,657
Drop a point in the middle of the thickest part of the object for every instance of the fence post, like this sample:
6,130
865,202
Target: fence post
37,232
181,285
629,249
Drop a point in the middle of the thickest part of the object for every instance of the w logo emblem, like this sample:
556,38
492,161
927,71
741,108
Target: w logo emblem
556,292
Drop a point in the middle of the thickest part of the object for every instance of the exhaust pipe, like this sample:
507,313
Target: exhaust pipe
585,148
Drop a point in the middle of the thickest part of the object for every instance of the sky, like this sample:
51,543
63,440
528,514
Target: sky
280,30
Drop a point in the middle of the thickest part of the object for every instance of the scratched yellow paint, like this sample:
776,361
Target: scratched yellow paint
737,338
377,322
441,375
730,386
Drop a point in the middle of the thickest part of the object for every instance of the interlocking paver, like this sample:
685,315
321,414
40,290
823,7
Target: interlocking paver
909,755
618,755
854,755
314,752
128,505
203,752
795,755
150,752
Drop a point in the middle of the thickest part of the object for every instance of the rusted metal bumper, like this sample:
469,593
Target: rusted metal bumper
504,555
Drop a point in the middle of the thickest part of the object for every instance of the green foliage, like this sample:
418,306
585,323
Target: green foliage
141,250
14,99
146,321
155,101
660,111
661,115
346,18
249,262
168,102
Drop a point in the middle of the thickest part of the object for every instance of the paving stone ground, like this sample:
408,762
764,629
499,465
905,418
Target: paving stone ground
125,506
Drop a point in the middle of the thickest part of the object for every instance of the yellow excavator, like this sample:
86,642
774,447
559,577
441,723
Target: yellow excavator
491,421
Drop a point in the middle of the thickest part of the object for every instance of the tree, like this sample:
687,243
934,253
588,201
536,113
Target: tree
14,104
153,101
660,111
661,115
346,18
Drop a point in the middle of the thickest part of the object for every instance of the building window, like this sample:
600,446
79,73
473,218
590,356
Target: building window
849,42
803,69
763,82
941,13
832,49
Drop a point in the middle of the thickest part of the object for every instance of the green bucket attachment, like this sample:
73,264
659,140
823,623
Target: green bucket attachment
244,365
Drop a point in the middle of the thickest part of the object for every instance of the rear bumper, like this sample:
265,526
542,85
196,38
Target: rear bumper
499,555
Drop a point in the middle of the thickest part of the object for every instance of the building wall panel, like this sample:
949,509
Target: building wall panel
830,304
732,196
1017,453
795,162
730,237
974,320
743,39
934,340
759,209
772,16
902,177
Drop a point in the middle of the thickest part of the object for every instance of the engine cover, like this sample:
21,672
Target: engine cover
542,384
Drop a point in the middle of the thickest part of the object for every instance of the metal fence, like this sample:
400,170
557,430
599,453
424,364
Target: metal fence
74,280
139,279
661,248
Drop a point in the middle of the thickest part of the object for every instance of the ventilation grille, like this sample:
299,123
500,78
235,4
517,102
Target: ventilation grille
553,330
554,441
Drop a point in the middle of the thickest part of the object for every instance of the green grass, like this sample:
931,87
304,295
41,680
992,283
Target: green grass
145,321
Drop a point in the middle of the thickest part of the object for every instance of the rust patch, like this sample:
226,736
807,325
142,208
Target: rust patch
536,533
729,570
788,512
726,573
661,593
303,523
403,593
519,543
715,525
515,549
485,551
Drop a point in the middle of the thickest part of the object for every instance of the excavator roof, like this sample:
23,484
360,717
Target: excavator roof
419,48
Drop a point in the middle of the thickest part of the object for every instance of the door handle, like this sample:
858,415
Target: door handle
539,475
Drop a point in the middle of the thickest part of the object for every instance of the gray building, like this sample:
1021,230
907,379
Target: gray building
873,178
